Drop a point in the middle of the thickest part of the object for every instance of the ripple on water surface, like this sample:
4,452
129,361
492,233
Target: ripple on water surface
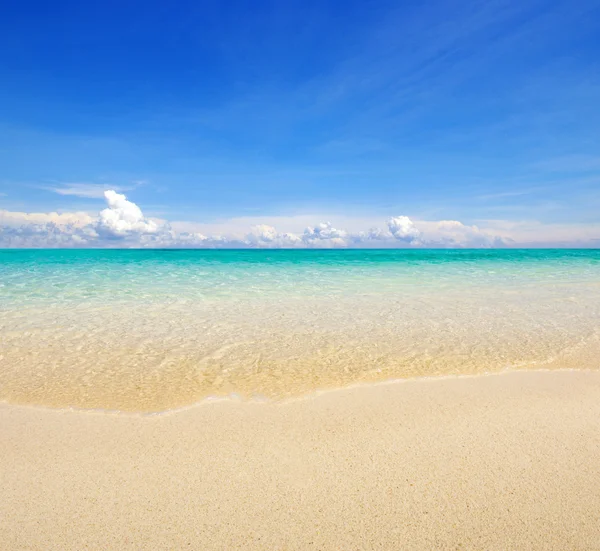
153,330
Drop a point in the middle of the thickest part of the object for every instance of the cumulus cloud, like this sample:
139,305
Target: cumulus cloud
17,219
452,233
47,235
120,220
324,235
122,223
165,237
267,233
403,229
263,235
123,218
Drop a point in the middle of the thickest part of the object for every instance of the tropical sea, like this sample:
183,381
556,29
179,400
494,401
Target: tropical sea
153,330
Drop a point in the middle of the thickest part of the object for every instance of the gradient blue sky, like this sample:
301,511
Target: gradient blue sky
203,111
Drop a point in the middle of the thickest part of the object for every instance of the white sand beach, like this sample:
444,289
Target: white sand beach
506,461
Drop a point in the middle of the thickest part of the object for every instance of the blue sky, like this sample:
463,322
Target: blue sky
203,112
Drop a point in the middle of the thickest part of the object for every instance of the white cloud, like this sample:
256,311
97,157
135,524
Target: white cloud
452,233
47,235
264,232
403,229
374,234
325,235
123,224
535,233
89,191
166,237
263,235
319,236
16,219
123,218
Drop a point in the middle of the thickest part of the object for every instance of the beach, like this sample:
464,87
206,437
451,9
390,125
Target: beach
330,400
300,276
503,461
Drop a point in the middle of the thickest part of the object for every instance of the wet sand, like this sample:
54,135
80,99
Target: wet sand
507,461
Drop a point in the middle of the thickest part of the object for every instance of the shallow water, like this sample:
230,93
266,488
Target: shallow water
151,330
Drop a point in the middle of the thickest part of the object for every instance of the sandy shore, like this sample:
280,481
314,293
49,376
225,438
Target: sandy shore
508,461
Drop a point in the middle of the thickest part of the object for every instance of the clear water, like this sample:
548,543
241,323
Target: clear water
149,330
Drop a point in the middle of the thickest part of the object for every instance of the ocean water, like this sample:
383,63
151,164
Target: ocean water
151,330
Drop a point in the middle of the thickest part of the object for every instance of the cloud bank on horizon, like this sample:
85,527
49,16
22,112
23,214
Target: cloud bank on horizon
123,224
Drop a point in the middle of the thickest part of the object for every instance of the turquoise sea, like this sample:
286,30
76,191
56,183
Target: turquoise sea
149,330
